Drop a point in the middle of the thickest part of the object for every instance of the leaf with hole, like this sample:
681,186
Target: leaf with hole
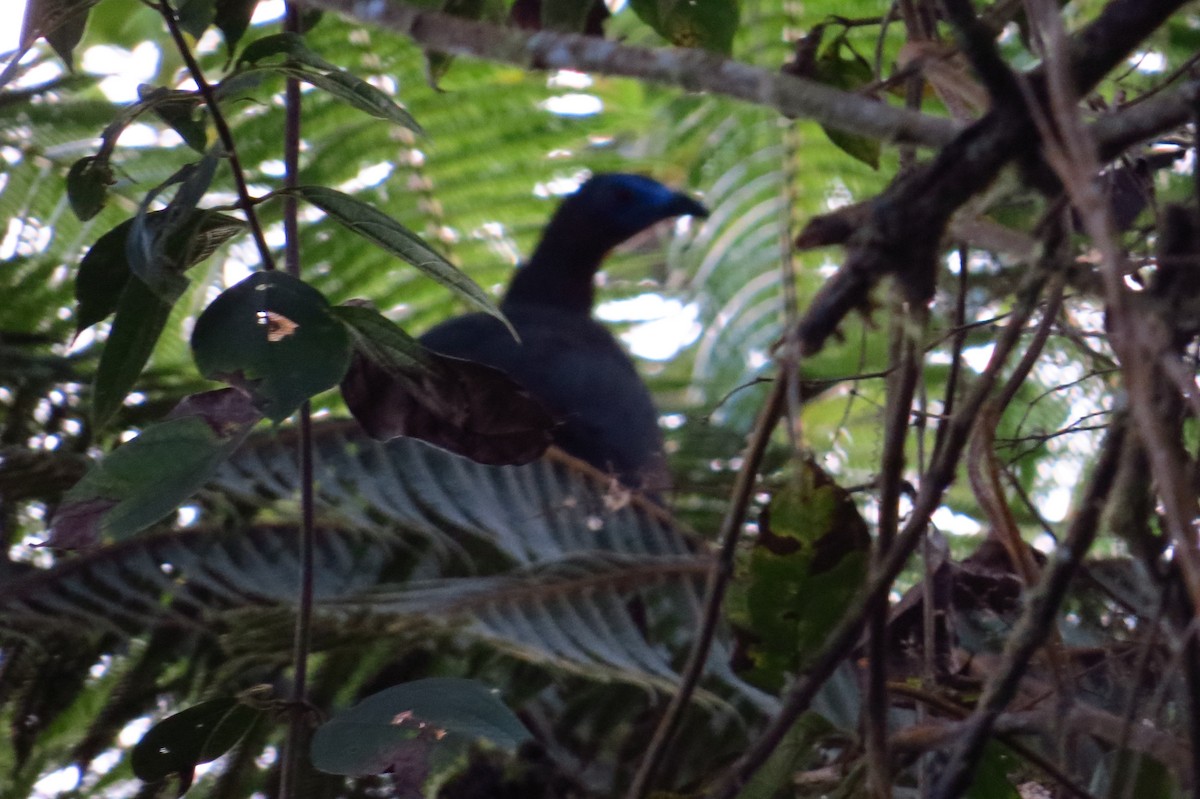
808,562
275,337
440,717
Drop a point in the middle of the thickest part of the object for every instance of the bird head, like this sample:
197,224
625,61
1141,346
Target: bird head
616,206
602,213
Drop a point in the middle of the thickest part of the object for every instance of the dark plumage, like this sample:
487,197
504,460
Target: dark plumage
565,359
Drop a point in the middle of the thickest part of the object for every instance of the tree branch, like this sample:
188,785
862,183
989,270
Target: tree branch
693,70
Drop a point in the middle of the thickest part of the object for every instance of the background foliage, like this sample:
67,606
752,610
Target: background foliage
576,601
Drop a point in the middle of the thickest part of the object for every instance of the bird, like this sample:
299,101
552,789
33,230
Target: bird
571,364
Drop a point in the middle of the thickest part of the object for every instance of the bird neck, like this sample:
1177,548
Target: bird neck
560,273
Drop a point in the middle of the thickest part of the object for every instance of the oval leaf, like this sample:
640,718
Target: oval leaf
275,337
200,734
87,186
427,715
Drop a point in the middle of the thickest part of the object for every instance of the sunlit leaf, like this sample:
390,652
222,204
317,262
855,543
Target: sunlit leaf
809,560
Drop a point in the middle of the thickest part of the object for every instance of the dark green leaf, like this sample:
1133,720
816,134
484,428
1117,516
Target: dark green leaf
991,776
87,186
377,227
360,94
104,271
60,22
233,19
178,109
195,16
707,24
200,734
147,478
440,712
141,317
396,387
303,64
156,241
274,336
287,44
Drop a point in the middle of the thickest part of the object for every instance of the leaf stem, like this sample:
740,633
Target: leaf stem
302,639
223,132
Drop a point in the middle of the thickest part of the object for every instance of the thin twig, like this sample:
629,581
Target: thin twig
718,580
297,735
245,201
933,485
1036,622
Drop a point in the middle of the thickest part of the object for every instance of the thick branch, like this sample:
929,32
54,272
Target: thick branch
694,70
903,234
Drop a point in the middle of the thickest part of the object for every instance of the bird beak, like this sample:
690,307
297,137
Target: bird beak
683,205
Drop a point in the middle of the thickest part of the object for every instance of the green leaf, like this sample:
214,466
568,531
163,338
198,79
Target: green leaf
358,93
147,478
274,336
200,734
385,232
707,24
304,64
809,561
60,22
796,752
178,109
446,713
287,44
841,66
87,186
195,16
233,19
991,775
140,319
159,246
104,270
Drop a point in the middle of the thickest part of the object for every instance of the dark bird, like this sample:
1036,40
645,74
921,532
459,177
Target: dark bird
565,359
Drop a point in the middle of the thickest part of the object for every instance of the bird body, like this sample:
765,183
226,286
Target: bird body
565,359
